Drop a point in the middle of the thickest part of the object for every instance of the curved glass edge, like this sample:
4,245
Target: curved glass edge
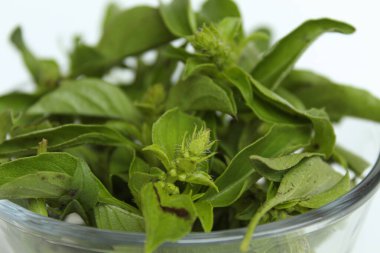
44,227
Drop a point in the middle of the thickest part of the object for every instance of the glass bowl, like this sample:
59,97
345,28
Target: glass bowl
330,229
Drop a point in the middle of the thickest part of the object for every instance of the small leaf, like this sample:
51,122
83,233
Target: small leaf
45,73
86,97
179,17
274,169
159,210
195,65
161,155
205,214
278,63
202,94
202,178
115,218
354,162
169,130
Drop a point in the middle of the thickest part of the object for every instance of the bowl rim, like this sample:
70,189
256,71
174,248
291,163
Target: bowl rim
74,235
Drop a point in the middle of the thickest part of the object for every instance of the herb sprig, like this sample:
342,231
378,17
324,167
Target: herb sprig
237,136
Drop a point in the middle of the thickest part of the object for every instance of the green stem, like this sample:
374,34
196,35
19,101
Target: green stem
244,247
42,147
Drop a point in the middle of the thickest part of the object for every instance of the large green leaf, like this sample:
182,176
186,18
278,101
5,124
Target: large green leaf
87,97
277,64
61,137
179,17
216,10
132,32
54,175
159,210
339,100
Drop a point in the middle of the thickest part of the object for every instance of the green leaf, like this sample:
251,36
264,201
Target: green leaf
42,176
169,130
115,218
338,100
75,207
87,97
6,123
302,183
202,94
202,178
354,162
254,47
280,140
16,102
87,189
278,63
324,198
215,11
45,73
120,162
196,65
271,108
275,168
89,61
161,155
112,11
50,175
267,105
159,210
179,17
230,29
140,174
205,214
64,136
127,26
42,184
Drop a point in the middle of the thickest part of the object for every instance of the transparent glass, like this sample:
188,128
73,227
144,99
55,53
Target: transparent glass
330,229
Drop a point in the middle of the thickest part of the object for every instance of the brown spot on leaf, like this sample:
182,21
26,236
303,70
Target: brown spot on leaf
60,177
72,193
179,212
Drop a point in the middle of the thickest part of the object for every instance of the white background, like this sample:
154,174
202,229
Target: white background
49,26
